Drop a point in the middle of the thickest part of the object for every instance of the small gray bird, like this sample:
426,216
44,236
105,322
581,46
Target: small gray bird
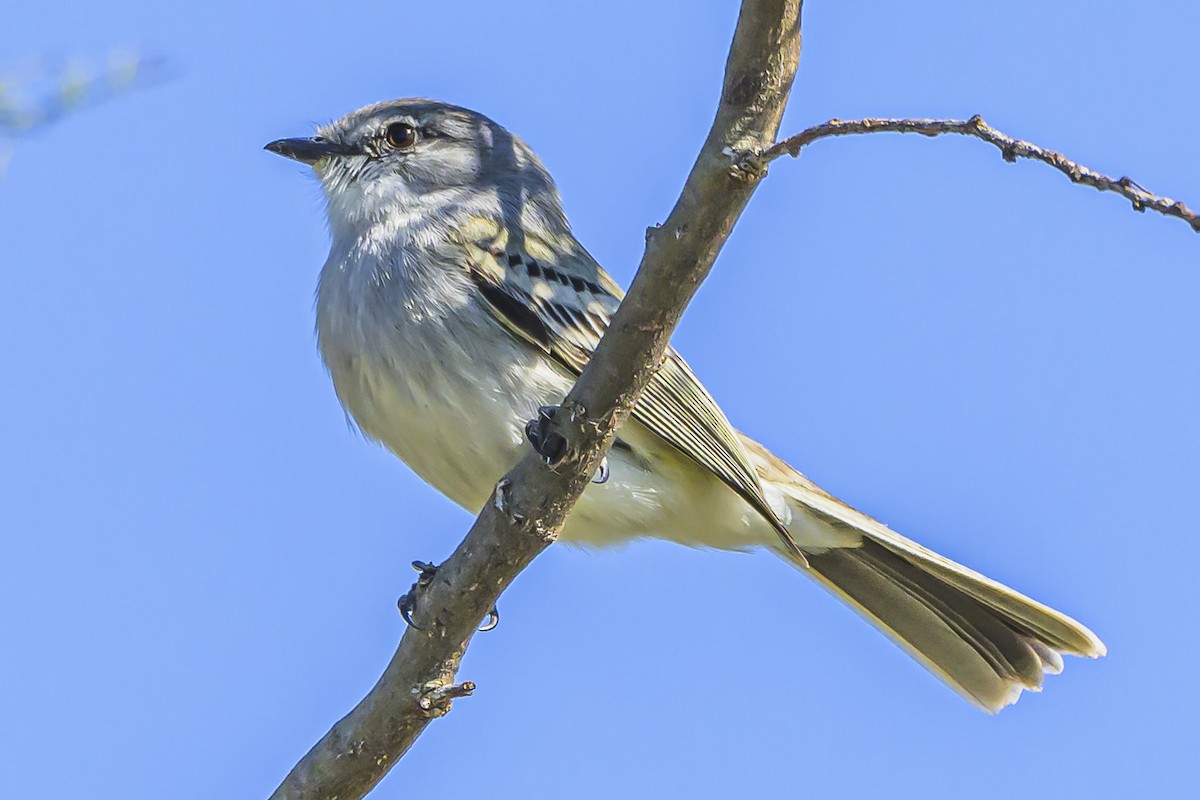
456,302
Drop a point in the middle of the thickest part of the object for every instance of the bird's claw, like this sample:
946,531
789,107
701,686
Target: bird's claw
493,619
407,604
550,445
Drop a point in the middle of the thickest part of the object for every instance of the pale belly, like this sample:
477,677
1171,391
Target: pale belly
461,430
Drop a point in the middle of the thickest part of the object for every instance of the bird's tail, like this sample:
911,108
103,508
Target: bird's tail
985,640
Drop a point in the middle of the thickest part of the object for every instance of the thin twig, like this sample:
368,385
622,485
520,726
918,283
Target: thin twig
1011,149
435,700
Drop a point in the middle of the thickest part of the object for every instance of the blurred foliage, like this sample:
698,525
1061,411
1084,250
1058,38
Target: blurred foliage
39,91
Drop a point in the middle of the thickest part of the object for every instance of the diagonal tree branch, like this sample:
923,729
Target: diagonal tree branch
530,504
1010,148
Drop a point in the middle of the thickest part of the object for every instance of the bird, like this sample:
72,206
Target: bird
456,302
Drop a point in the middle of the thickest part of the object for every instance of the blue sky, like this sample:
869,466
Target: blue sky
199,561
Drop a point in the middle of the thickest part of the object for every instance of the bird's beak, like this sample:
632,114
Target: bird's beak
310,151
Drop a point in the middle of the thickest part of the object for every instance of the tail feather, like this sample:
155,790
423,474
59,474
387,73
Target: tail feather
1057,630
985,640
1052,661
957,638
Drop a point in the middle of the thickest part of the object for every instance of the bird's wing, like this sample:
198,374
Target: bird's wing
557,298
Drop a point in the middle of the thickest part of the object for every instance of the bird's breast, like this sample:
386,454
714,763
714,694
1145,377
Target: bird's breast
441,384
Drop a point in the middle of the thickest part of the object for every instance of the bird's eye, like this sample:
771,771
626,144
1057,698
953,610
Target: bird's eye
401,135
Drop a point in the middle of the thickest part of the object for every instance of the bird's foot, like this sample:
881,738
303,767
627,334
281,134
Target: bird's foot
407,604
551,445
548,443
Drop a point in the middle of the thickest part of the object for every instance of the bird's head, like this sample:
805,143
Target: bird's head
422,159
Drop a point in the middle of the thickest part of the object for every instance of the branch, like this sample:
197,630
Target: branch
1010,148
529,505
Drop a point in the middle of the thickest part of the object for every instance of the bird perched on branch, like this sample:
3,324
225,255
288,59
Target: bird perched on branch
456,303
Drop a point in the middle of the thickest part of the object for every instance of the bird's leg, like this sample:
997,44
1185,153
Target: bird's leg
407,604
